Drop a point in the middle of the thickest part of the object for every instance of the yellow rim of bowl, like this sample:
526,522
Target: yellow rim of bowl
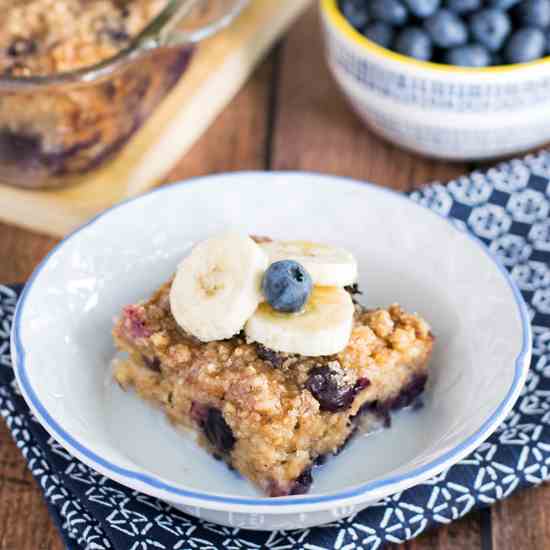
331,10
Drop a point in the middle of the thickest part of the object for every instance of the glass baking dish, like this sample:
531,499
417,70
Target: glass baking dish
55,130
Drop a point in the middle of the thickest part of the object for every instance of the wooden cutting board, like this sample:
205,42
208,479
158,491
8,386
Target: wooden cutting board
219,68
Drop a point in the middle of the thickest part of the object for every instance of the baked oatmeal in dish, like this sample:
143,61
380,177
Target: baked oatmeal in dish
43,37
262,350
53,133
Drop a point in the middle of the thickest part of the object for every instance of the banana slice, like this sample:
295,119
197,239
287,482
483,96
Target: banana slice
327,265
217,287
322,328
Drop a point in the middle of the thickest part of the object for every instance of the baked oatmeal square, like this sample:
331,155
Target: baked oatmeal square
271,415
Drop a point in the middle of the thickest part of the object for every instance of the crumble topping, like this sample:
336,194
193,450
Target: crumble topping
40,37
284,411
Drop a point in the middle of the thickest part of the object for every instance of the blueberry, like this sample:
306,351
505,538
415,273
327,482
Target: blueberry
287,286
525,45
320,460
414,42
470,55
302,483
356,12
152,364
408,395
423,8
503,4
389,11
21,148
380,33
134,320
490,28
446,29
463,6
534,13
117,35
114,30
328,385
353,289
275,358
21,46
199,412
217,431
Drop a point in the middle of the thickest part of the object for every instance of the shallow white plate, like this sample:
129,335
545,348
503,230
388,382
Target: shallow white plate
62,344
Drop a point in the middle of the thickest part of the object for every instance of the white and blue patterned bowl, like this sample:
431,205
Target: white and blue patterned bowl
439,110
62,347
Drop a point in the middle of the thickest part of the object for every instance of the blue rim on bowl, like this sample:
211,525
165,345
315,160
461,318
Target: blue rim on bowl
332,13
155,485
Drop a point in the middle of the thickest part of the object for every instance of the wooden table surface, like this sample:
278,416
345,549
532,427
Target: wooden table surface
288,116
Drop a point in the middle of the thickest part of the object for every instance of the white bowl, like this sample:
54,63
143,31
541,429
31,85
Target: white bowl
434,109
62,344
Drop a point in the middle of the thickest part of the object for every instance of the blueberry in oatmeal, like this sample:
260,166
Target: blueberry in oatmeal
330,385
274,358
21,46
302,483
217,431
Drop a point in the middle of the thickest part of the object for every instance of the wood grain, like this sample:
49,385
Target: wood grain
464,534
24,520
20,250
237,140
523,521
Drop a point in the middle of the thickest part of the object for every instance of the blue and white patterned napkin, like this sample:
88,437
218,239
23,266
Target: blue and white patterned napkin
508,208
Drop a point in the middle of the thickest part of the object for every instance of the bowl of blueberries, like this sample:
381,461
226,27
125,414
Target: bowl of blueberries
452,79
